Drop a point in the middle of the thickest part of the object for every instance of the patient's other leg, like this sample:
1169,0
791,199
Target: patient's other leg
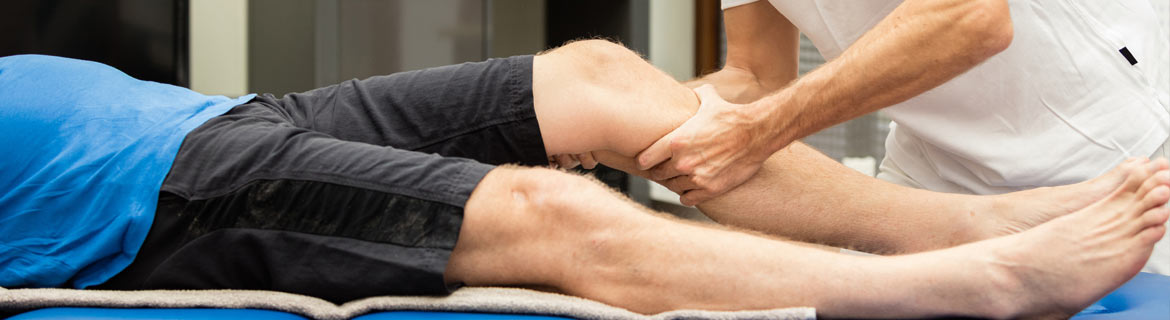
892,218
596,95
553,230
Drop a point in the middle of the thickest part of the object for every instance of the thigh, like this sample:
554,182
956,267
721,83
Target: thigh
479,110
253,202
254,142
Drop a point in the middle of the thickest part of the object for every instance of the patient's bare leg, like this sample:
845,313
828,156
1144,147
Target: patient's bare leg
553,230
595,95
803,194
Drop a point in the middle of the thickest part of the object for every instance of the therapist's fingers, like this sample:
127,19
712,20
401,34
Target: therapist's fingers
573,162
695,197
655,154
564,161
679,184
666,170
587,161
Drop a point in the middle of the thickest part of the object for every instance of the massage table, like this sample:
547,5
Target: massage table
1146,296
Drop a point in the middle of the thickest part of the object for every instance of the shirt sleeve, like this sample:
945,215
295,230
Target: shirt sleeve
728,4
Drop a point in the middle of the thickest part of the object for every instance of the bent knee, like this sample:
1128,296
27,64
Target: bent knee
599,55
597,49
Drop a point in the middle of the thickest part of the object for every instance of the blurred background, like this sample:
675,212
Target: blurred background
235,47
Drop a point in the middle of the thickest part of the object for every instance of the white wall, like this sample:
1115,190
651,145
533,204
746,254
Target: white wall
672,37
219,47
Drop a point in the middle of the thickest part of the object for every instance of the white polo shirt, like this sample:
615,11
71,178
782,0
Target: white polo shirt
1060,105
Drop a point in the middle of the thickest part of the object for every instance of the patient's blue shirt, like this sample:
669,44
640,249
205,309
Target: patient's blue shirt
84,149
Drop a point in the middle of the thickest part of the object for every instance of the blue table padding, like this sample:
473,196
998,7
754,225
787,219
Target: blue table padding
1147,296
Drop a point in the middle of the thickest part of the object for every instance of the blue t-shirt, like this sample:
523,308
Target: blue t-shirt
84,149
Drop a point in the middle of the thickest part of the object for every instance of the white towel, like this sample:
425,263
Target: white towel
468,299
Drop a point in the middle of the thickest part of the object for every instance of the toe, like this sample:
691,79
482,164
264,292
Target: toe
1116,175
1156,216
1156,197
1151,235
1160,178
1135,174
1161,164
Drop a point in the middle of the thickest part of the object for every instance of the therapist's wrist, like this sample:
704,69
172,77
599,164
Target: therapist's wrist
775,124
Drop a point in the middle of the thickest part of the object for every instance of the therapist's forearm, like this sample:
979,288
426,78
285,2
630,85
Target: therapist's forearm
919,46
736,85
763,50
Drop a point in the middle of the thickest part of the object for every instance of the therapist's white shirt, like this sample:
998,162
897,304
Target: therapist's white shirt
1060,105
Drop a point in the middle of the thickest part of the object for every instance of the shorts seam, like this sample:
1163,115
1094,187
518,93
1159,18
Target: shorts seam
325,178
463,177
322,235
515,82
504,120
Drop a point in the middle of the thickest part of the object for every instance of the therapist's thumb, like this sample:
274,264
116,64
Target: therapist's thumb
707,95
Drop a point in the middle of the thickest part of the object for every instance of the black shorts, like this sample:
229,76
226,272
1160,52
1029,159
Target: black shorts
343,192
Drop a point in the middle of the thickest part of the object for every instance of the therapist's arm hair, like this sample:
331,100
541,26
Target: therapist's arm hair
920,45
763,48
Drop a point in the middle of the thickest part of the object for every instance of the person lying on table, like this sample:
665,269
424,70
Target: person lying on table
420,182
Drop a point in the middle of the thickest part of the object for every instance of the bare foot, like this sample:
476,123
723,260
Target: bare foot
1018,211
1060,267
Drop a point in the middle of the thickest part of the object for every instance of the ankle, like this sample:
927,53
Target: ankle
990,222
1001,214
977,218
1006,290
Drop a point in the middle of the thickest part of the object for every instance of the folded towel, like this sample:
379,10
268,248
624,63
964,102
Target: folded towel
470,299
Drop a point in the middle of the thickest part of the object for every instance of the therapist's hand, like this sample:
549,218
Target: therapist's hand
569,161
715,151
